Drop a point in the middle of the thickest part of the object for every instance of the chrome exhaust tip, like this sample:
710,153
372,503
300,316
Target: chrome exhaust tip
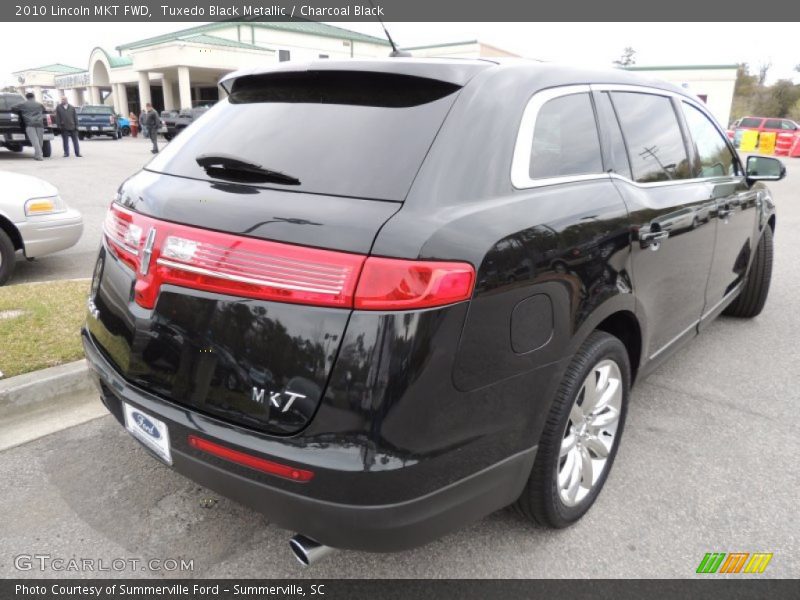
308,551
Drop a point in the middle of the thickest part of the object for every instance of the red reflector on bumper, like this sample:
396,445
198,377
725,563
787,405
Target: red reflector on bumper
247,460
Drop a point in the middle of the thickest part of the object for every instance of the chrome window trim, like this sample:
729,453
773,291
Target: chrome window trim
523,146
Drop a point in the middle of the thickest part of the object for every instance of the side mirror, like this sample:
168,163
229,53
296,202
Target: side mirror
764,168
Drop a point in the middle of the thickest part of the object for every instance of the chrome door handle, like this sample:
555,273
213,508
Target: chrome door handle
652,239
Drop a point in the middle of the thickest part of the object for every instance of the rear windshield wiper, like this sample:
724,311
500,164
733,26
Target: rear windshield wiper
230,168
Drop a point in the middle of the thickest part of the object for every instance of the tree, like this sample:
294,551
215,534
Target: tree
762,72
627,59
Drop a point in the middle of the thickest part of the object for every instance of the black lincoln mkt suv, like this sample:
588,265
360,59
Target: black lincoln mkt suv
378,300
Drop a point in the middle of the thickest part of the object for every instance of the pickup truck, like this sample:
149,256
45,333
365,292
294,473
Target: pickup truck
12,132
173,122
97,120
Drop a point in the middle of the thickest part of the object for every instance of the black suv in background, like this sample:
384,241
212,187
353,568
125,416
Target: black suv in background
12,131
173,122
378,300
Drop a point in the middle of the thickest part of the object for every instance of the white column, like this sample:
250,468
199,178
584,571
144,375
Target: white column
37,93
60,92
122,92
144,89
94,94
169,93
185,87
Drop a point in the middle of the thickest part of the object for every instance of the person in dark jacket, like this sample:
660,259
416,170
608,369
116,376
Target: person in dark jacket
152,122
32,114
67,122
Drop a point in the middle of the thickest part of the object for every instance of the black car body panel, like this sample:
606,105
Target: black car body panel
413,416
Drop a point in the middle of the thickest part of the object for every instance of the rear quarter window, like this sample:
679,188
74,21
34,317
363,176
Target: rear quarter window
565,140
357,134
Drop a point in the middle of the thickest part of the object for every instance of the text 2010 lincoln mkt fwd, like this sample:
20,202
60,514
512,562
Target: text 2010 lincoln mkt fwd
378,300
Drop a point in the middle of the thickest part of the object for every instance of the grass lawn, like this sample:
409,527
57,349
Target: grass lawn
40,325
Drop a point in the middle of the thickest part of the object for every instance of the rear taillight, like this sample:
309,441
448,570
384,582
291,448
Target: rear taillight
394,284
112,119
248,460
167,253
49,120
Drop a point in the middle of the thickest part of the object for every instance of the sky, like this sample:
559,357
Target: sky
24,45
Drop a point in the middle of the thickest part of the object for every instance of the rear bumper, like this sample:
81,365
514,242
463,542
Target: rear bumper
349,521
48,234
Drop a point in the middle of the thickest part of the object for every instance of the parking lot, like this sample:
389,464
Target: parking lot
87,184
707,462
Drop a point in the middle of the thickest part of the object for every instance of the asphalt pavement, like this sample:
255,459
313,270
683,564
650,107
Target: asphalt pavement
706,463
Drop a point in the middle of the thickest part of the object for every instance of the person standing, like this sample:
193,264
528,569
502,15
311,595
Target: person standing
134,124
142,124
152,122
32,114
67,122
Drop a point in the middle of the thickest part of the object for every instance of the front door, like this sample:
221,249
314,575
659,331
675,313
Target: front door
735,211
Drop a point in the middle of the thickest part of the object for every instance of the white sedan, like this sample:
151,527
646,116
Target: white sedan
33,219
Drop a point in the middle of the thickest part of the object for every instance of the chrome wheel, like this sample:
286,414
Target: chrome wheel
590,433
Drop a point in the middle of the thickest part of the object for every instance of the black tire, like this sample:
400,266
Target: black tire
540,500
47,148
6,257
14,147
168,136
125,131
81,136
753,295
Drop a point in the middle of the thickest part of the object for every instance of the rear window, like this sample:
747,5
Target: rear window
97,110
750,122
9,100
655,144
358,134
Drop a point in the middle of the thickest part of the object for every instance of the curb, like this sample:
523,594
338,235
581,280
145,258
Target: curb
46,385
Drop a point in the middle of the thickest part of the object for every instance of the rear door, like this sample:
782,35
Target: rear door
735,213
670,211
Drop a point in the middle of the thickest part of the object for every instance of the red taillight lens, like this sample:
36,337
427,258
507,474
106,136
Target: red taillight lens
167,253
395,284
248,460
112,119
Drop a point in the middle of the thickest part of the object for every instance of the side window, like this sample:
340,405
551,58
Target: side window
565,139
611,136
714,158
655,143
750,122
772,124
788,125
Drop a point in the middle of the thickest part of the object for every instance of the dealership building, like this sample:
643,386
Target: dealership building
181,69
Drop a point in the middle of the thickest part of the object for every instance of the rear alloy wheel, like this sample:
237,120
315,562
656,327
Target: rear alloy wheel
581,436
6,257
753,295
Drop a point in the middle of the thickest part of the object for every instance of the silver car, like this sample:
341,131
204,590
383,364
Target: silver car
33,219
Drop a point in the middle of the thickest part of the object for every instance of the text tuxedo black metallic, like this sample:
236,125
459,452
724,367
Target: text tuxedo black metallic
454,270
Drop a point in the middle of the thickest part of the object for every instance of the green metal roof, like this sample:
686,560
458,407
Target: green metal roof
202,38
306,27
682,68
54,68
119,61
445,45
